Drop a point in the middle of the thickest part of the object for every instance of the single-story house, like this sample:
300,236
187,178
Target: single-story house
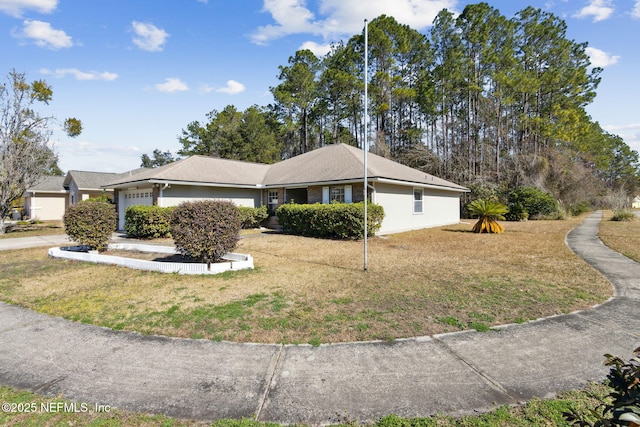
82,185
635,204
411,198
47,200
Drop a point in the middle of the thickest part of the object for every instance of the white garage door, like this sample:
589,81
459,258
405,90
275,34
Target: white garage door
131,198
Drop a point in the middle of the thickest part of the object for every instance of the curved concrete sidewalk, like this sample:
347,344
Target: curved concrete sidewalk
452,373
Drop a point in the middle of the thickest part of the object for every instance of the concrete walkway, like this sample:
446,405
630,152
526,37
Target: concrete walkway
452,373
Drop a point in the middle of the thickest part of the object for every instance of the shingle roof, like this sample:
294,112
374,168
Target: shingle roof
200,169
89,180
49,184
339,162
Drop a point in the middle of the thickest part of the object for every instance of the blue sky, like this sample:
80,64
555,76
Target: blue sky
136,72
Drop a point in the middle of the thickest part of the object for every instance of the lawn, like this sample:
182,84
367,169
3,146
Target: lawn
315,291
25,229
621,236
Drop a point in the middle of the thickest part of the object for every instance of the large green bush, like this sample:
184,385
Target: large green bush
534,201
205,229
148,222
91,223
253,217
335,220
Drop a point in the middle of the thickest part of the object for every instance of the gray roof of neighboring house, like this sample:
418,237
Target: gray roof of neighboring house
89,180
48,184
339,162
86,180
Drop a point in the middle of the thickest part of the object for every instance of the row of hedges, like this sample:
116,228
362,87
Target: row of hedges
204,230
152,222
207,229
336,220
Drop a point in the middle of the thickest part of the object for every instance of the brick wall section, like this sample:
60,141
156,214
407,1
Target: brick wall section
314,194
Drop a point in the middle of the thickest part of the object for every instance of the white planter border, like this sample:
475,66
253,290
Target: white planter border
236,261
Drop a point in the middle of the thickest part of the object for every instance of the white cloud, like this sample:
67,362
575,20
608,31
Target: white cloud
80,75
149,37
630,134
44,35
232,88
600,58
317,48
636,10
336,18
599,9
17,7
171,85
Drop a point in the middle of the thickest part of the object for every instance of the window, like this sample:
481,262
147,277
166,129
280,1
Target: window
272,201
337,194
417,201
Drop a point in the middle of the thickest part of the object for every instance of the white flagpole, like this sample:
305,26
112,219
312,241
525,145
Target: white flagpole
365,144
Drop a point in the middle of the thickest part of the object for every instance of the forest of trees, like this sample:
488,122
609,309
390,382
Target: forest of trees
482,100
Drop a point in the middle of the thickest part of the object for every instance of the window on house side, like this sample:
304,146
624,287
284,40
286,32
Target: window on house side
272,201
337,194
417,201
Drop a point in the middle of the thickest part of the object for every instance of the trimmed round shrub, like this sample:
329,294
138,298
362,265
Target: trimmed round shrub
205,230
91,223
253,217
534,201
148,222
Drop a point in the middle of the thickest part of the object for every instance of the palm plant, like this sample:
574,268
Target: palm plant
488,213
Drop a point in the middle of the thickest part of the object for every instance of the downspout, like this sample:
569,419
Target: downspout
161,195
372,186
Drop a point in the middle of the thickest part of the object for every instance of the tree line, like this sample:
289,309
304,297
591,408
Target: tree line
481,99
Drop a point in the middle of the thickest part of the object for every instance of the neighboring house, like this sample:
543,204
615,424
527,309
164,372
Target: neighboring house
82,185
411,199
635,204
47,200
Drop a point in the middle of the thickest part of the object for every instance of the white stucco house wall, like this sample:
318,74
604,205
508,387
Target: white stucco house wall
410,198
47,200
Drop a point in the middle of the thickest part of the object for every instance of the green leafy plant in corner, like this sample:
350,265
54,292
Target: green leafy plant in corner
623,406
488,213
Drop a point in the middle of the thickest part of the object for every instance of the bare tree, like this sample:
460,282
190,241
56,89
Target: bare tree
24,153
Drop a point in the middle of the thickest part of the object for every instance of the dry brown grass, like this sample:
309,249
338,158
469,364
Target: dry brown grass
621,236
312,290
37,229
